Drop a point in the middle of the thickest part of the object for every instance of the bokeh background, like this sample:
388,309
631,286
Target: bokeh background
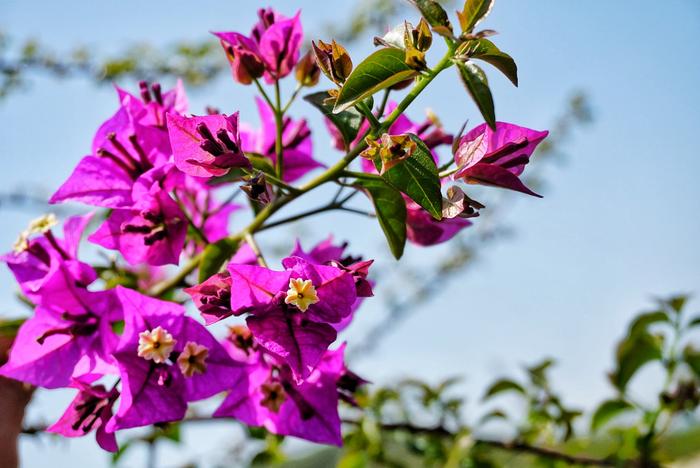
618,224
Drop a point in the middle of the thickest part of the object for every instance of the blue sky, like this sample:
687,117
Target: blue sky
618,224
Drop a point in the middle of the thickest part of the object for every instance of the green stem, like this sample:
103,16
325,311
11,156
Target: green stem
444,63
385,101
367,112
670,365
296,92
250,240
362,175
264,94
333,205
446,173
198,232
446,166
279,116
281,184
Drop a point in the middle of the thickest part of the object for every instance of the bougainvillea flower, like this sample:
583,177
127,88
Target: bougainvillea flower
294,339
272,49
243,56
153,231
123,150
296,142
275,401
327,253
294,311
152,105
497,157
423,229
256,288
206,146
166,360
213,297
240,344
65,340
89,411
47,266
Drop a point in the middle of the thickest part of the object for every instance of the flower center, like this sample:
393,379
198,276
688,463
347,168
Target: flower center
156,345
301,293
273,396
218,146
193,358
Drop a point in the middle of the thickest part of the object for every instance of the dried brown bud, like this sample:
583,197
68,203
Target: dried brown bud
334,60
307,72
258,189
458,204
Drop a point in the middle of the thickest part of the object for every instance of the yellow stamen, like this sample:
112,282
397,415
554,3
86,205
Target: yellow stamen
156,345
42,224
193,358
22,242
301,293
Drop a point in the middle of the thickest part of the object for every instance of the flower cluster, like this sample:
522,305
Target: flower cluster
129,347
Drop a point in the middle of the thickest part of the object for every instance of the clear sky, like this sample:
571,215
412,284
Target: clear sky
618,225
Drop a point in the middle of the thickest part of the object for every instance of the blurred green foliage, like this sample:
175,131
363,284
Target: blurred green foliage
416,424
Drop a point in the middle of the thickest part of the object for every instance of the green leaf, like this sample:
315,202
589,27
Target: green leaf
215,255
503,385
493,414
677,302
261,163
357,459
694,322
390,209
123,447
537,372
473,12
118,327
347,122
607,411
477,84
382,69
632,353
9,327
417,177
642,322
485,50
170,431
433,13
692,357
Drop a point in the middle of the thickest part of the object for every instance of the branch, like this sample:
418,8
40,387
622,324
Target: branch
514,446
438,431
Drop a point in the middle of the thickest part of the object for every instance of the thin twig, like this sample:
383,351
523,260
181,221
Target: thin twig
250,240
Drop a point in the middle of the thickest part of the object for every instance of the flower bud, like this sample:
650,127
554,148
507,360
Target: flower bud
246,65
307,71
334,60
258,189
